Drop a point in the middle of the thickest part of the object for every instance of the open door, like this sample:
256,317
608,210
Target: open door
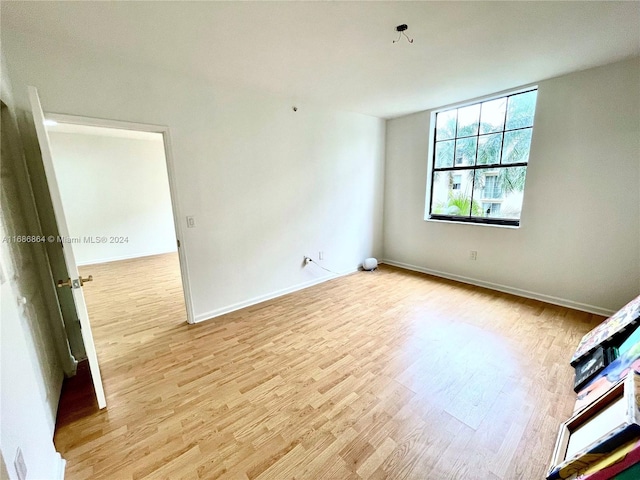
75,282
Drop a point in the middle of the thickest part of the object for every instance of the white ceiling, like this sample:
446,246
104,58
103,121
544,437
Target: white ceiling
341,54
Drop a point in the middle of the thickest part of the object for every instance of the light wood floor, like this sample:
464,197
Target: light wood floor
389,374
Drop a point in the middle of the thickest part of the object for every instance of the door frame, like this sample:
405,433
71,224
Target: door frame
175,204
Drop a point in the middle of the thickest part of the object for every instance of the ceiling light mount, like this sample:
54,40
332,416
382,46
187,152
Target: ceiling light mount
401,29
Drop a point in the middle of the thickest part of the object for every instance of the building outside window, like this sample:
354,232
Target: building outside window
457,182
491,209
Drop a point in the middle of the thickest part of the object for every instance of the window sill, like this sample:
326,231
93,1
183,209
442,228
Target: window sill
493,225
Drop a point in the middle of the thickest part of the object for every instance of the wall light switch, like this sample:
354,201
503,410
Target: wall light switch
191,222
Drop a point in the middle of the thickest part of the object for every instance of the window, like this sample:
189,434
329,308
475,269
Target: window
479,160
457,181
491,186
491,209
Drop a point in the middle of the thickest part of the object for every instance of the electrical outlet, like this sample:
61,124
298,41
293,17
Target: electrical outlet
307,260
21,467
473,255
191,221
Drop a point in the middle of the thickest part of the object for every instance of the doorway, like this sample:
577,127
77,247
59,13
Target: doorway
115,182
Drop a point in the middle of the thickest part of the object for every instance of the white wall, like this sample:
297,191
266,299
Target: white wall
579,239
114,187
27,422
31,373
267,185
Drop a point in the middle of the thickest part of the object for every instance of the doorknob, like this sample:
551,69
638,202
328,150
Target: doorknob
75,283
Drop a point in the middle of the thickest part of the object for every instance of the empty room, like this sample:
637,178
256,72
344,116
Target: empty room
320,240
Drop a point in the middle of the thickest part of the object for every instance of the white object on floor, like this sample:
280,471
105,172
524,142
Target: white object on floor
370,264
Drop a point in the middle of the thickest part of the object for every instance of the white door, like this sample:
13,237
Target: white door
75,282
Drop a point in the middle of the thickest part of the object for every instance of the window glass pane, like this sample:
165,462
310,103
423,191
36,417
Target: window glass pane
448,200
499,192
512,179
516,146
520,110
489,148
444,154
466,151
446,125
468,119
492,117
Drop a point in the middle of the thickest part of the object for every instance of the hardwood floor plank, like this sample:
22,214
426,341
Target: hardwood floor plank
386,374
373,462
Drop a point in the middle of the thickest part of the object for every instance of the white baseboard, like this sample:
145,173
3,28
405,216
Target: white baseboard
269,296
123,257
563,302
62,465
